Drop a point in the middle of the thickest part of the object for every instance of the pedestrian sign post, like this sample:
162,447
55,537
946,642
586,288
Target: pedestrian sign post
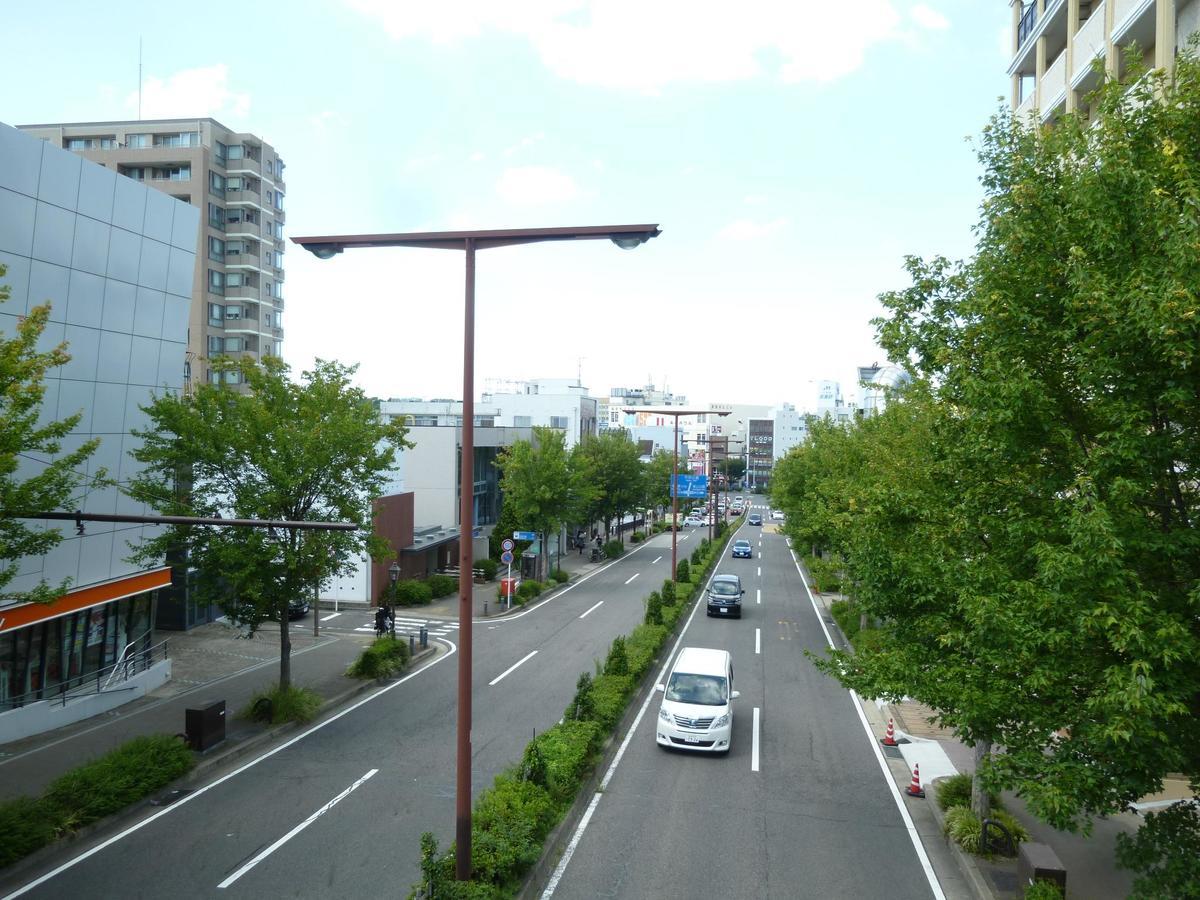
525,535
506,557
506,545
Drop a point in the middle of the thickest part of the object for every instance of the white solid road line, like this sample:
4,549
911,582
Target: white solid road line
758,595
330,616
633,576
295,831
758,640
754,743
513,667
760,571
656,559
597,606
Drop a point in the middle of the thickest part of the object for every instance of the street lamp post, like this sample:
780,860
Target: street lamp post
676,413
326,247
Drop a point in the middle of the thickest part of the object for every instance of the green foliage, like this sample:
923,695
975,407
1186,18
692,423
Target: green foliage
637,537
442,585
697,556
23,370
955,791
567,748
1044,890
962,826
682,570
312,449
617,662
609,465
657,481
123,776
529,589
671,614
1165,853
560,577
583,704
509,823
642,646
278,705
668,593
826,573
613,549
414,592
27,824
383,658
610,693
489,567
653,609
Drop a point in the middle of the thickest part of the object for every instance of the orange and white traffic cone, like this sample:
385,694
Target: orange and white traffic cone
889,740
914,788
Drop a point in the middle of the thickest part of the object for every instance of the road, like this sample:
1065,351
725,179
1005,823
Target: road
339,810
798,808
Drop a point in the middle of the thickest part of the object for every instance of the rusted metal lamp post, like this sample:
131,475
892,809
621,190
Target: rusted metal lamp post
326,247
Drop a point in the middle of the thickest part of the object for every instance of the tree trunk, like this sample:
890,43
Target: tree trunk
980,803
285,649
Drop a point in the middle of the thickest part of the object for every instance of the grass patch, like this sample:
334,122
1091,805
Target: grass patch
274,707
383,658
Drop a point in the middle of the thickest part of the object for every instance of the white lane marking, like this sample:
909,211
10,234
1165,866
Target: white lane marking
760,554
758,596
633,576
656,559
330,616
760,571
597,606
754,743
758,640
295,831
556,877
526,658
188,798
913,836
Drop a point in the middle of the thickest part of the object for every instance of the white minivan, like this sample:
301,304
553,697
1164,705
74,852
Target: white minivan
697,706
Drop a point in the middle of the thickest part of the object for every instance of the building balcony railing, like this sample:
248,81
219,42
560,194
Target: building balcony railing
1088,42
245,292
1054,85
251,229
1026,25
245,164
243,196
1025,110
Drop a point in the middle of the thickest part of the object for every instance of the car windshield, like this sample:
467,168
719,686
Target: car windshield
741,545
704,690
724,589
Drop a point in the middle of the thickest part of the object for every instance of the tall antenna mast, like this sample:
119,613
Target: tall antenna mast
139,79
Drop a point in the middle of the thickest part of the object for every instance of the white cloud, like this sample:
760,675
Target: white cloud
327,120
191,92
755,199
634,45
929,18
535,186
477,156
747,230
525,143
421,163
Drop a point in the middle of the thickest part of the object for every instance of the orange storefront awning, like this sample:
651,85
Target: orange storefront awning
29,613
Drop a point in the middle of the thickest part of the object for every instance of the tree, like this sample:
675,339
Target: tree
611,464
1056,499
537,482
314,450
35,474
657,479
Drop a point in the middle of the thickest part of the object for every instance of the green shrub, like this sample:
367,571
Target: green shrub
617,662
413,593
120,777
529,589
642,646
845,613
560,576
704,545
637,537
383,658
296,704
668,593
489,567
610,694
441,585
27,825
613,549
963,827
1043,890
1165,852
566,748
653,609
509,823
1018,831
671,614
696,557
682,570
582,705
954,791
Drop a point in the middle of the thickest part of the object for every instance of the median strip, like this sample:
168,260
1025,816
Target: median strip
513,667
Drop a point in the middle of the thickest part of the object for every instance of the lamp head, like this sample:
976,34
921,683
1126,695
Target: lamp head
325,251
630,241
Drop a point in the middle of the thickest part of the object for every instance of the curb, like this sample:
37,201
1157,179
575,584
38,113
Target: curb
971,873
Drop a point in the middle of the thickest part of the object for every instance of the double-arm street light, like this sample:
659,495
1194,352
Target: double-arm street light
675,466
624,236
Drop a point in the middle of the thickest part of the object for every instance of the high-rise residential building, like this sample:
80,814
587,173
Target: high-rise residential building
1056,42
236,180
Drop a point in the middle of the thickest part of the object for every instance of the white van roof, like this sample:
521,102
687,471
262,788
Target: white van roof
701,661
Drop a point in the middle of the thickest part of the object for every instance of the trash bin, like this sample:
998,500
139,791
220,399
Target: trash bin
1039,862
205,725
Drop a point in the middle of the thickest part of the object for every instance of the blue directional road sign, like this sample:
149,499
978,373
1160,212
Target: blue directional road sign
506,557
693,487
524,535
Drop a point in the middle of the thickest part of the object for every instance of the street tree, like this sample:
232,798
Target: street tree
657,480
36,473
538,483
611,463
313,450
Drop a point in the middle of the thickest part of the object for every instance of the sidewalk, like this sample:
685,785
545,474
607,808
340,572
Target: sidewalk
1090,862
217,661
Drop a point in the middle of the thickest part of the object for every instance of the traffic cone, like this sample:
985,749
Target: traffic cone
914,788
889,739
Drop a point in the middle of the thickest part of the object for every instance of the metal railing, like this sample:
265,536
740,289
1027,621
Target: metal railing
98,682
1026,25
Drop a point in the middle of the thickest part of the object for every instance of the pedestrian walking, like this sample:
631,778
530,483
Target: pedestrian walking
381,618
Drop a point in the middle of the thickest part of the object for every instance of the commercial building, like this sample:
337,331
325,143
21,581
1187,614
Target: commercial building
1055,44
548,402
116,262
236,180
761,451
611,410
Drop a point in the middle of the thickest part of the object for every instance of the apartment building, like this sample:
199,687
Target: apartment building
1056,42
548,402
611,410
236,180
115,260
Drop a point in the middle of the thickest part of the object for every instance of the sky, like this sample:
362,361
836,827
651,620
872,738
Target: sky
793,152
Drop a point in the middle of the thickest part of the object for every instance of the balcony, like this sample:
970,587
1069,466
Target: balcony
1133,21
249,229
1088,44
1024,112
1054,87
245,292
245,196
245,164
1026,25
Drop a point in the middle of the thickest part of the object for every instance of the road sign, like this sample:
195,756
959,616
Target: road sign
507,544
525,535
691,486
506,557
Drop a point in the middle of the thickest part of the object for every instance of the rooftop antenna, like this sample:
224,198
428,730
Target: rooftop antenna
139,79
579,372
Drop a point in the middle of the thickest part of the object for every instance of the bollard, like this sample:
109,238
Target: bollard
412,647
424,637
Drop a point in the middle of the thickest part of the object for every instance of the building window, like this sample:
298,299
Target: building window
216,249
137,173
522,422
235,344
137,141
425,420
216,216
235,151
220,152
216,314
233,312
183,139
216,281
216,183
558,422
216,345
235,279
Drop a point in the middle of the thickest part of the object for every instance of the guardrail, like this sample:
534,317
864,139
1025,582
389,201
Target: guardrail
99,682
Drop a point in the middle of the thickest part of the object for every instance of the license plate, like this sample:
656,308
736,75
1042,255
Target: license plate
723,610
687,739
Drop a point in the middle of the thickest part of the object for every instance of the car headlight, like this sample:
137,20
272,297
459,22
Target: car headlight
721,721
664,715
